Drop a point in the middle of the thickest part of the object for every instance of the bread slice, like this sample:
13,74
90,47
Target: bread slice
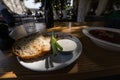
32,46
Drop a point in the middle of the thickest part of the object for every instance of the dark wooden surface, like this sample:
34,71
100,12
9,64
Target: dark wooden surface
93,62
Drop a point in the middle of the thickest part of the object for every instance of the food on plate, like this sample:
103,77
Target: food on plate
32,46
106,35
36,45
67,45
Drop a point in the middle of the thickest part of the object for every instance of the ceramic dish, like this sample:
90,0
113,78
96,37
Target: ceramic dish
107,38
68,46
51,62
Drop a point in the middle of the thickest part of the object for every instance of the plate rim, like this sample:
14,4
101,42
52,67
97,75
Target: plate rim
86,32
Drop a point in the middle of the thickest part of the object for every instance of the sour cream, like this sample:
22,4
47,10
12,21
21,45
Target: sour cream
67,45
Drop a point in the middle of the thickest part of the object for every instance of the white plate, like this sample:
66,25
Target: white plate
51,62
102,43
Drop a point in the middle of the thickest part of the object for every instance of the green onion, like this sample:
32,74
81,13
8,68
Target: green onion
55,45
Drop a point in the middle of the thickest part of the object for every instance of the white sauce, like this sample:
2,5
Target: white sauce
67,44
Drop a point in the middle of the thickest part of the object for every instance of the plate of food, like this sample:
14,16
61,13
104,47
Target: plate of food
44,51
108,38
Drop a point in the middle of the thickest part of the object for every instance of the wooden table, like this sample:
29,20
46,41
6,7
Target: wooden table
93,62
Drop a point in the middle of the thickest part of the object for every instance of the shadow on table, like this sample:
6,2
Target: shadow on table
114,77
9,63
98,55
97,60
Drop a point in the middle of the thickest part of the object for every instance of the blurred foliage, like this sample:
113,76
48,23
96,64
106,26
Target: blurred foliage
58,4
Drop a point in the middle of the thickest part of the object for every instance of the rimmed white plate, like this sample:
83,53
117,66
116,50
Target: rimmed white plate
52,62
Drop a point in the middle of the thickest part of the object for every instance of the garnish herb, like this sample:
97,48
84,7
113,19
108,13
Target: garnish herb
55,45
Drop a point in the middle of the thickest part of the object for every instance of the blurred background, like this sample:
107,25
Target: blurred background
66,10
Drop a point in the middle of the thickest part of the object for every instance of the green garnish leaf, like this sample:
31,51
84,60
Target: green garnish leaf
55,45
58,46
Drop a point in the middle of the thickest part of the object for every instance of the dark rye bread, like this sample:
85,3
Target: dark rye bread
32,46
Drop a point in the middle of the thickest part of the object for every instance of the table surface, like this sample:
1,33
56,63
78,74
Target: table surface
93,62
